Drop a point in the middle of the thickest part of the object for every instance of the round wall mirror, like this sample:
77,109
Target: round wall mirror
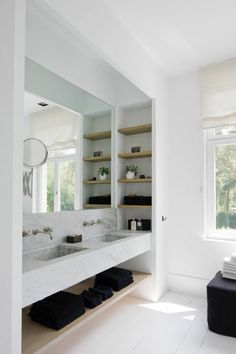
35,153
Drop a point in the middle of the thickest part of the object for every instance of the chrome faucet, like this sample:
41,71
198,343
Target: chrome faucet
25,233
47,230
92,222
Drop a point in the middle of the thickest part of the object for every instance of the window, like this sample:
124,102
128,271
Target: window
58,182
221,182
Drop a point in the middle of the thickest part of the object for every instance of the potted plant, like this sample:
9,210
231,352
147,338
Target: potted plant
103,172
131,171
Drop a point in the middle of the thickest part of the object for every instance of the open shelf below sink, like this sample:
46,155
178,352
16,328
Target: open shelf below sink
36,336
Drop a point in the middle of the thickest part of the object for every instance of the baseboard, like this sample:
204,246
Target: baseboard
187,284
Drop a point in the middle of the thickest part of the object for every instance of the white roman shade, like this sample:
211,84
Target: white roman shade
55,127
218,82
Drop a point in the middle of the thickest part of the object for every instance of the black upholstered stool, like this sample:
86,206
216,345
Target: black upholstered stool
221,305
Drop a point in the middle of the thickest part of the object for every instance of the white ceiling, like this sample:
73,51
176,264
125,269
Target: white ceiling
31,103
180,35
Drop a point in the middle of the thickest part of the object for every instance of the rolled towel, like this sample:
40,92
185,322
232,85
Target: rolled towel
104,291
91,299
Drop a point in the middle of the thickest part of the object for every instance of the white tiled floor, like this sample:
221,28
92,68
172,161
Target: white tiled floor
176,324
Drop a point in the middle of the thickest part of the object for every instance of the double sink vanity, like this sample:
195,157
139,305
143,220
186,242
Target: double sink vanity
49,269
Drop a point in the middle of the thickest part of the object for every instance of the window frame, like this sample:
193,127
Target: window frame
37,202
211,141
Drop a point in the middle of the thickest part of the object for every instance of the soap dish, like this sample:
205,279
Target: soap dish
73,238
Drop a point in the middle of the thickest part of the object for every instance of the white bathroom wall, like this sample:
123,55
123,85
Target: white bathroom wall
12,24
67,223
193,260
60,48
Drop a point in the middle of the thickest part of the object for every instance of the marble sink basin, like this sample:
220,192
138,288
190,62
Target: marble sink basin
107,238
53,252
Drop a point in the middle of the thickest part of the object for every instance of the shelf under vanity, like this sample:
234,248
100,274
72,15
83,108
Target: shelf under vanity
137,129
135,155
36,336
98,135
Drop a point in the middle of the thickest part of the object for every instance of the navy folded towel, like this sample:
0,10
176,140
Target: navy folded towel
91,299
104,291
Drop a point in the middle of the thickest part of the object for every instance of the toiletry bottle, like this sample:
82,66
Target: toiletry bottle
139,224
133,225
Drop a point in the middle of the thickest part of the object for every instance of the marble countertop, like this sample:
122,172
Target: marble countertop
43,278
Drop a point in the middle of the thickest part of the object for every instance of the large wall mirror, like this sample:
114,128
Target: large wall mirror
76,128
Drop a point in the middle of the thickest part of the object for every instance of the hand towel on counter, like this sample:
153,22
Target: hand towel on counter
104,291
91,299
57,310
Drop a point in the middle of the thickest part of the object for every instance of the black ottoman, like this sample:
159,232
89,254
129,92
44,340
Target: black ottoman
221,305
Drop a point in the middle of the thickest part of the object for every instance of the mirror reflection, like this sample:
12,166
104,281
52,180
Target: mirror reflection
35,153
72,166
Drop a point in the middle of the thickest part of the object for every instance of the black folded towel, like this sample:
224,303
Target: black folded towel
91,299
104,291
114,284
57,310
116,278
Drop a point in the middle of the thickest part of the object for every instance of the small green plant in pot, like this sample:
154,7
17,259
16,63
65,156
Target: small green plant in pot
103,172
131,171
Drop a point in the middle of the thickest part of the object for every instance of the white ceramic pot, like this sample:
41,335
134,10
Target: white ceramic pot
103,177
130,175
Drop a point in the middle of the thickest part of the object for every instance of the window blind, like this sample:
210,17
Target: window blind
218,84
55,127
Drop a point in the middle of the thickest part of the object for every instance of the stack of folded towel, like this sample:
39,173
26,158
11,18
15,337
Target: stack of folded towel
58,310
229,267
116,278
104,291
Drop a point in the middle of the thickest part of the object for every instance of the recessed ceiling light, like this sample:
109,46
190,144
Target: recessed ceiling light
43,104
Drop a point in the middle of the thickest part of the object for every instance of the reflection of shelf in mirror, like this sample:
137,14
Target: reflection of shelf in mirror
98,135
98,158
97,206
107,181
36,336
135,155
134,206
135,180
138,129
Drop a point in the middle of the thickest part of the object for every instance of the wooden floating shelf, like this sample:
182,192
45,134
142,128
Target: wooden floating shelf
98,135
108,181
134,206
137,129
97,206
98,158
135,180
135,155
36,337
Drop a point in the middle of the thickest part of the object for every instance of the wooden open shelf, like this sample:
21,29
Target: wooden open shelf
137,129
98,135
98,159
107,181
134,206
135,155
36,336
135,180
96,206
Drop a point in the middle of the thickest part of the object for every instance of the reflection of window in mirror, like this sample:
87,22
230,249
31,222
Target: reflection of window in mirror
56,184
59,182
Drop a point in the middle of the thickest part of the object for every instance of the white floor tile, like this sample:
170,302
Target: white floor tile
175,325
